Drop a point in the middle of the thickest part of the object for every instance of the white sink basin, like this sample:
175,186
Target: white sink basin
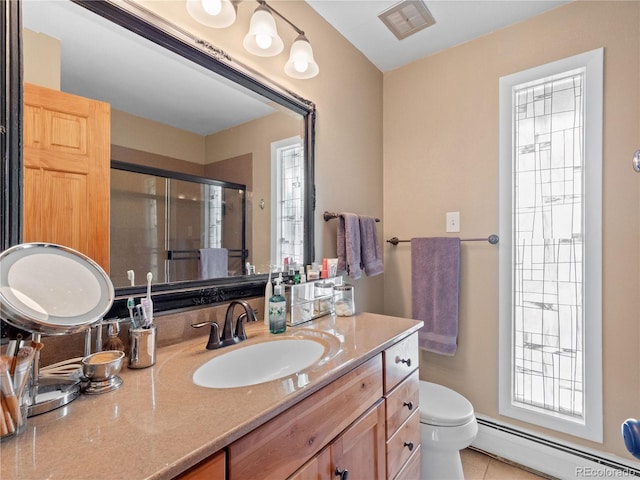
260,362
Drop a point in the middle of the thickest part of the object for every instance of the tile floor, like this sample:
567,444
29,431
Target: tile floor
478,466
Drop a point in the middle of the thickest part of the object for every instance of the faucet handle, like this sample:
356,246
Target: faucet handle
248,316
204,324
214,337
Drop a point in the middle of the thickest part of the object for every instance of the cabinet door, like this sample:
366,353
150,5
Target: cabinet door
67,171
212,468
318,468
360,449
284,444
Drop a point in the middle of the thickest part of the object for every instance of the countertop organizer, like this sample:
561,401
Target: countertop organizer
309,300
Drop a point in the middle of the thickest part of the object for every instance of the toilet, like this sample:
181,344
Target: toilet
447,425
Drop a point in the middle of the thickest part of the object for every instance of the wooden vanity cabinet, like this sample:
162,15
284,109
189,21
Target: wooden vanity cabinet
281,446
366,422
402,398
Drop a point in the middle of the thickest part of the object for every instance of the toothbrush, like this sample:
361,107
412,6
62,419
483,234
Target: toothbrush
147,303
131,302
139,312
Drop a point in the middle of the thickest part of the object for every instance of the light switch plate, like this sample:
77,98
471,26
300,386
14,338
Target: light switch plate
453,221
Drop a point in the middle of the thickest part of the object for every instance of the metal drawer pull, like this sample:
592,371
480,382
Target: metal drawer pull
343,474
409,405
404,360
409,445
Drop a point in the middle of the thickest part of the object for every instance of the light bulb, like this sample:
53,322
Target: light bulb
263,40
212,13
300,65
212,7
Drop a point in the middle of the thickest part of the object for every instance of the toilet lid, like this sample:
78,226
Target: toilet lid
441,406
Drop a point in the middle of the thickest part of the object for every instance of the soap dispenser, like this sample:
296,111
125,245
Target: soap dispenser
278,308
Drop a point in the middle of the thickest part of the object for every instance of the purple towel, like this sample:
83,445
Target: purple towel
371,254
435,277
348,247
214,263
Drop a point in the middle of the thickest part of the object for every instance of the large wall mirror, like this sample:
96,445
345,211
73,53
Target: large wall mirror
178,104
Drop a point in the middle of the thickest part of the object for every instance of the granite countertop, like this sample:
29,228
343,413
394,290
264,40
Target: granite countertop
158,423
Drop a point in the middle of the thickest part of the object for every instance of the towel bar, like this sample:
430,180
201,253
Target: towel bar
329,215
492,239
195,254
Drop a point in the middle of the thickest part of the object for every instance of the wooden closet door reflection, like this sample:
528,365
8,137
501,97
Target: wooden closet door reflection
67,171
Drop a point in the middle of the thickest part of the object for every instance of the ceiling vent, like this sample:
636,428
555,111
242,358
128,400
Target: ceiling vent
407,17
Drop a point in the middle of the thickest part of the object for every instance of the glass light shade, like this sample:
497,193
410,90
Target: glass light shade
301,64
263,39
203,11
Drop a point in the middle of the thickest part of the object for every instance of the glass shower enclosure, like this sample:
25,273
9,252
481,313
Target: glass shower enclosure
178,227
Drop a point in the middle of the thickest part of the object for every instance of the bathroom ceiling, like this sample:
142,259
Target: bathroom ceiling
457,21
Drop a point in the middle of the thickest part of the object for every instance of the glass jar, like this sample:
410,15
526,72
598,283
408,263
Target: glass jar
344,300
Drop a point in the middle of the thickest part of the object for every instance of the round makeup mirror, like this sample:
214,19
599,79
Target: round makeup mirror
49,289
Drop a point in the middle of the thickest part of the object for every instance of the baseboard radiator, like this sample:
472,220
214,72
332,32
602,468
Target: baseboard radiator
547,456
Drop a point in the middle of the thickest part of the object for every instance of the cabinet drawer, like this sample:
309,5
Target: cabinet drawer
282,445
401,402
403,444
411,469
400,360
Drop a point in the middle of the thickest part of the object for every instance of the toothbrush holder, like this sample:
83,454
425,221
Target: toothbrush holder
142,347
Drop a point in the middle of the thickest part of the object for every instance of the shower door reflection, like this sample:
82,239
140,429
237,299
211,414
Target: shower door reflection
179,229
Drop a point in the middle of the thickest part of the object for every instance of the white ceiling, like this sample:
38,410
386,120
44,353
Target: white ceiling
456,22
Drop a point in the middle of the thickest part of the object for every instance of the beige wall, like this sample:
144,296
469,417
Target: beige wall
41,55
140,133
139,157
441,155
255,137
348,96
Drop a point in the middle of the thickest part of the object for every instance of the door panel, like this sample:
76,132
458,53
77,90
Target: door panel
66,177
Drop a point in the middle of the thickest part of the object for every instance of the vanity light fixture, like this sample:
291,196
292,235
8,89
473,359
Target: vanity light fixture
213,13
263,39
301,63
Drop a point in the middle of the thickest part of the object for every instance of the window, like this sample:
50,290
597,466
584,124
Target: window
287,213
212,221
550,253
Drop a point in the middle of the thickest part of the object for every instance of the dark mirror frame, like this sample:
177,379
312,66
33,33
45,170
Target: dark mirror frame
135,18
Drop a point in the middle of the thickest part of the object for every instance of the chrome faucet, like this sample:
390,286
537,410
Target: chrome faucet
229,336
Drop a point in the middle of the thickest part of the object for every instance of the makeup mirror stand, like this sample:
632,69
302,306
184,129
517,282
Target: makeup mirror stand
48,304
49,394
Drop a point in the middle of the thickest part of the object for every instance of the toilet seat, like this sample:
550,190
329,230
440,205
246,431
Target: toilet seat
441,406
